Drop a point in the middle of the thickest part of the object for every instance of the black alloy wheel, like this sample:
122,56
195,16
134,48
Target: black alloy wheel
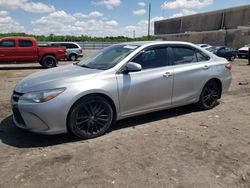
48,61
90,117
209,95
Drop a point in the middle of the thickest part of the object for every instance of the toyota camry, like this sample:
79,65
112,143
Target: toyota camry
120,81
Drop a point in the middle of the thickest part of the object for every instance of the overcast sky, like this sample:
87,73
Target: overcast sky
97,17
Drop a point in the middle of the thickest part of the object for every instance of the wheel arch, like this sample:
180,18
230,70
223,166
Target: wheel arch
73,53
217,80
50,54
110,101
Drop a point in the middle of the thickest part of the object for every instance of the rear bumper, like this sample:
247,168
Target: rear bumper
61,57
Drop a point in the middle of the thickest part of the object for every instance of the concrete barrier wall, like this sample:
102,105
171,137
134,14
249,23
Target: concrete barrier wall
234,37
168,26
222,19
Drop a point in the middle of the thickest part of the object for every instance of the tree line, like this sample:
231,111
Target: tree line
73,38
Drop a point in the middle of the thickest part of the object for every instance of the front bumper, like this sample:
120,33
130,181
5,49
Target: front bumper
43,118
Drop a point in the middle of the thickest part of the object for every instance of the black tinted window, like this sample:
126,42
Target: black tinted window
70,45
25,43
202,56
222,50
152,58
7,43
183,55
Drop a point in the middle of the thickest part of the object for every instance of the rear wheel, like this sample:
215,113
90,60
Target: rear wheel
73,57
90,117
48,61
209,95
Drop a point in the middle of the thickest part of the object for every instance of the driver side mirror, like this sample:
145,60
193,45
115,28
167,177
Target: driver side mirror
132,67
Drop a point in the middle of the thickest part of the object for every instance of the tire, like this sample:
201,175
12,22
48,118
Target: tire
232,58
72,57
209,95
48,61
90,117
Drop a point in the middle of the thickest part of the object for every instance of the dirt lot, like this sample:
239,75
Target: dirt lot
181,147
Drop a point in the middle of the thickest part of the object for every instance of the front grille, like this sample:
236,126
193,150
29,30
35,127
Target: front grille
16,96
243,51
18,116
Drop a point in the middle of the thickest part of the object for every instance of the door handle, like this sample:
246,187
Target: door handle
167,75
206,67
1,55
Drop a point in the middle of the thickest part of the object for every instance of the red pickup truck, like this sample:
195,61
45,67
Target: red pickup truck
26,49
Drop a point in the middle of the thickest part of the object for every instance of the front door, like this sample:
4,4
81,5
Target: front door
148,89
7,50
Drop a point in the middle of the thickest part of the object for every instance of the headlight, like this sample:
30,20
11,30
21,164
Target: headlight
41,96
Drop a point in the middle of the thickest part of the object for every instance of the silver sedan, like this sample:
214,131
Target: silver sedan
117,82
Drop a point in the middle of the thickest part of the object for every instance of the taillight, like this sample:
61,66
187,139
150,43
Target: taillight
228,66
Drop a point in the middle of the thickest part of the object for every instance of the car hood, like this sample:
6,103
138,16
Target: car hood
55,78
244,48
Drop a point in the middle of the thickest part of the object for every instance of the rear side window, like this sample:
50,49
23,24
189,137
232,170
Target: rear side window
69,45
25,43
7,43
184,55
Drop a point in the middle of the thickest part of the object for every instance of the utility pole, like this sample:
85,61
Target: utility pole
149,12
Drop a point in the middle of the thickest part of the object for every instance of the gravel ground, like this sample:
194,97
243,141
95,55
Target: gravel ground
181,147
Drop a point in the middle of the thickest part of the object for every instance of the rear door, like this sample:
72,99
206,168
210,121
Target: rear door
71,48
150,88
192,69
26,50
8,50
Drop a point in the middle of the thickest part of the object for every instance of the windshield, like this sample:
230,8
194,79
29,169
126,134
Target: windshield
108,57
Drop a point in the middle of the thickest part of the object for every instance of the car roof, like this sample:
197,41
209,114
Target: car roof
147,43
65,42
17,37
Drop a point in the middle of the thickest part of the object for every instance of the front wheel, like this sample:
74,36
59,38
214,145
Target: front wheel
90,117
209,95
232,58
48,61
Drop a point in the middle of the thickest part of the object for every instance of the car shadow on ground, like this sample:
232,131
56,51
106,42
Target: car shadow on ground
20,68
13,136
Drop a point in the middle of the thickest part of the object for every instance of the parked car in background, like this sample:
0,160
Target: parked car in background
205,46
243,52
26,49
120,81
223,51
74,50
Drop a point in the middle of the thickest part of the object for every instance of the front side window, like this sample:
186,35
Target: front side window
152,58
7,43
25,43
108,57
